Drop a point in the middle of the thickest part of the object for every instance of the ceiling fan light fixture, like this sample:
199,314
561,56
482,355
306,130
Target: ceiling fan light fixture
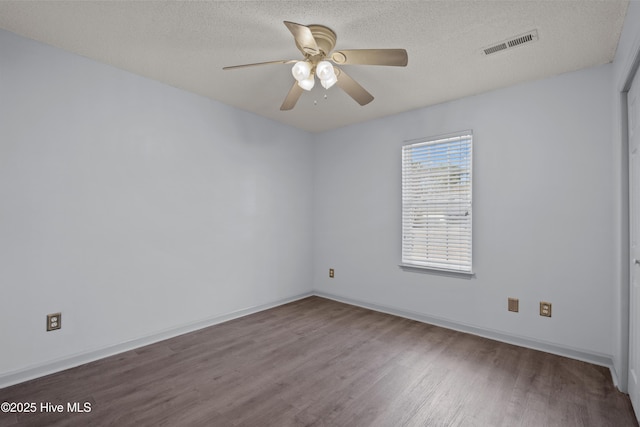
307,84
326,74
301,70
324,70
328,82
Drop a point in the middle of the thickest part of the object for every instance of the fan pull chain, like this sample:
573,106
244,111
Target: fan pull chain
315,101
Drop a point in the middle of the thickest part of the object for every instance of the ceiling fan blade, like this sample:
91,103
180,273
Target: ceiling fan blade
352,88
283,61
393,57
292,97
304,38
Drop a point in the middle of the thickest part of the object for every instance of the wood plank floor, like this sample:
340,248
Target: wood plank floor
317,362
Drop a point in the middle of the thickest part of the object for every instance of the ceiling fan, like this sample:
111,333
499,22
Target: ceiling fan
316,42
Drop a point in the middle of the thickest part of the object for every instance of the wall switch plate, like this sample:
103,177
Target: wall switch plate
514,305
331,273
545,309
54,321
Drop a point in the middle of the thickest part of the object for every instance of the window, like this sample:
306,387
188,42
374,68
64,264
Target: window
436,203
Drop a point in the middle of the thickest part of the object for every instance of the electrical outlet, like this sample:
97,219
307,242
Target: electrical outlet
513,305
54,321
331,273
545,309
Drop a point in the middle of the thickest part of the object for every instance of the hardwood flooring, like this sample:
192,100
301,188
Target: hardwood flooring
317,362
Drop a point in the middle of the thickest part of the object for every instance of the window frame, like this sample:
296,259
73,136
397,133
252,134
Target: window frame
430,264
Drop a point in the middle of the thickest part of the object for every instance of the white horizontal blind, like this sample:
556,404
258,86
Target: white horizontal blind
436,203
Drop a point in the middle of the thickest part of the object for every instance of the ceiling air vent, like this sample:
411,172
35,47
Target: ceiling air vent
516,41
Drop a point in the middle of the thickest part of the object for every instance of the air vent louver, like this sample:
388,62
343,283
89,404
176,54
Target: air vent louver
520,40
516,41
494,49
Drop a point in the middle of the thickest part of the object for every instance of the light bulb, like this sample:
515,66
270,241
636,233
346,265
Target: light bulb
327,83
307,84
324,70
301,70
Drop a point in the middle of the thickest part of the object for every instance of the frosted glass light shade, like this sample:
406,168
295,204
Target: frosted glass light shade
301,70
307,84
324,70
327,83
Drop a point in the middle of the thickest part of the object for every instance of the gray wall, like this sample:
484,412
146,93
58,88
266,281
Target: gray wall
134,208
543,208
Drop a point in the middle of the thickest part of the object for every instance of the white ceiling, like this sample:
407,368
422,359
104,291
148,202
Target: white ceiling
186,44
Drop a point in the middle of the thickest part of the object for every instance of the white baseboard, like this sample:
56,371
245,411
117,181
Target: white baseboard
51,367
572,353
58,365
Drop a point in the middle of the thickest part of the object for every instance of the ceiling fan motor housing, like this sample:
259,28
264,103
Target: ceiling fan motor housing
325,39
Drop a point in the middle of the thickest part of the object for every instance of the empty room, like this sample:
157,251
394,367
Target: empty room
320,213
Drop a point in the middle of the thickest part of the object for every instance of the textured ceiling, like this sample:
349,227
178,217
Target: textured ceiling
186,44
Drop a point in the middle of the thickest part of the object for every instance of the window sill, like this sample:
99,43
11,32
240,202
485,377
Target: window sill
438,271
